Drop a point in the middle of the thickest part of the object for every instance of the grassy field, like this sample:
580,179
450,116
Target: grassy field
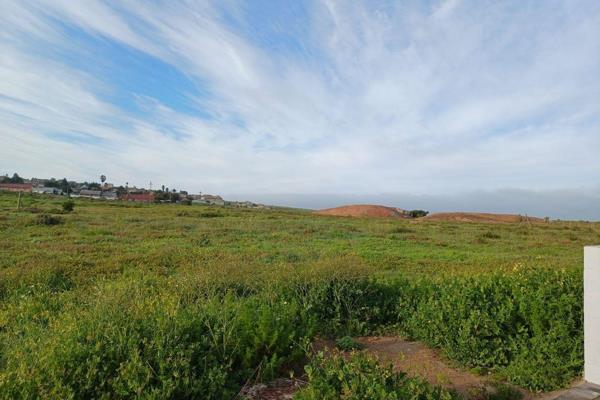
119,300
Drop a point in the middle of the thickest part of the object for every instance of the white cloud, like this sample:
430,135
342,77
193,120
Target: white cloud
393,97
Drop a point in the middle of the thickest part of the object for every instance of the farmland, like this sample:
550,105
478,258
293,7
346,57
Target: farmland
170,301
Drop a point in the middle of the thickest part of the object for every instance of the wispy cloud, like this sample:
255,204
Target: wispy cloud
309,97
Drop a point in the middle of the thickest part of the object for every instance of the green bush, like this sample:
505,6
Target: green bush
165,336
418,213
68,206
361,377
48,219
525,326
347,343
135,339
210,214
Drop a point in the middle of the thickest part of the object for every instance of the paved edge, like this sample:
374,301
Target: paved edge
584,391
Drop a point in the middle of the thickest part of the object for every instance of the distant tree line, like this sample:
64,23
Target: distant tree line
165,195
62,184
15,179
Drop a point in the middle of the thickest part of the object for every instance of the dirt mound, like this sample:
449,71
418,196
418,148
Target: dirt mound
365,210
480,217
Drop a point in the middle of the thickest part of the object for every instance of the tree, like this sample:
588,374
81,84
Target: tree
64,185
16,179
161,196
418,213
121,191
52,183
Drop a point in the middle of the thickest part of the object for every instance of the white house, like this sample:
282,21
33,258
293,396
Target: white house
46,190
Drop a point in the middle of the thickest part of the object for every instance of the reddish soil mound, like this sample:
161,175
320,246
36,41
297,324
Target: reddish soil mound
480,217
364,210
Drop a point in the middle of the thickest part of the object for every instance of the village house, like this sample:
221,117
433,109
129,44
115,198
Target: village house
88,193
110,195
16,187
47,190
96,194
147,197
209,199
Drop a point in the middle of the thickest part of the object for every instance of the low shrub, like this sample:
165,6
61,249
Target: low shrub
210,214
361,377
48,219
137,338
418,213
68,206
168,336
347,343
526,326
490,235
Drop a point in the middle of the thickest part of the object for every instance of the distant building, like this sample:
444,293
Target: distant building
92,194
16,187
38,181
97,194
110,195
46,190
210,199
147,197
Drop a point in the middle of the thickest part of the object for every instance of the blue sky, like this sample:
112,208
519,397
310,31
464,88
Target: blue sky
305,97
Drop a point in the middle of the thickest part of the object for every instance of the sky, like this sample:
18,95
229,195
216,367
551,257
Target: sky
480,105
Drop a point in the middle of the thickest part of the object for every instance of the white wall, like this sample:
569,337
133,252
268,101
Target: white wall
591,310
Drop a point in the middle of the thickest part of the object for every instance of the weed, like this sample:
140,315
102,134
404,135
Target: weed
491,235
48,219
68,206
362,377
347,343
401,229
210,214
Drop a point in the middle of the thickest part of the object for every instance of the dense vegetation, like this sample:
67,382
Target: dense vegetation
165,301
359,377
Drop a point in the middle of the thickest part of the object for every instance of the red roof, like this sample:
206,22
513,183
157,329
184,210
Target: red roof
139,196
16,186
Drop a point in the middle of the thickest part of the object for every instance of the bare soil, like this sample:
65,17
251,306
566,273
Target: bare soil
364,210
480,217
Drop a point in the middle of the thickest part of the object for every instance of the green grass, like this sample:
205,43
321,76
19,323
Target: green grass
104,239
128,300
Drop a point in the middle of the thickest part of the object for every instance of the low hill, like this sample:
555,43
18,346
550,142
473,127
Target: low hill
480,217
364,210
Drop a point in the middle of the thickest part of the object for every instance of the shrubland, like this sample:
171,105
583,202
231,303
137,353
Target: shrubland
124,300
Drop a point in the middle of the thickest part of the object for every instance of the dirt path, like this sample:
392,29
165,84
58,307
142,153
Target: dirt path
419,361
413,358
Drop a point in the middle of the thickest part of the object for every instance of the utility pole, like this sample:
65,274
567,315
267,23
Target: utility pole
19,201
